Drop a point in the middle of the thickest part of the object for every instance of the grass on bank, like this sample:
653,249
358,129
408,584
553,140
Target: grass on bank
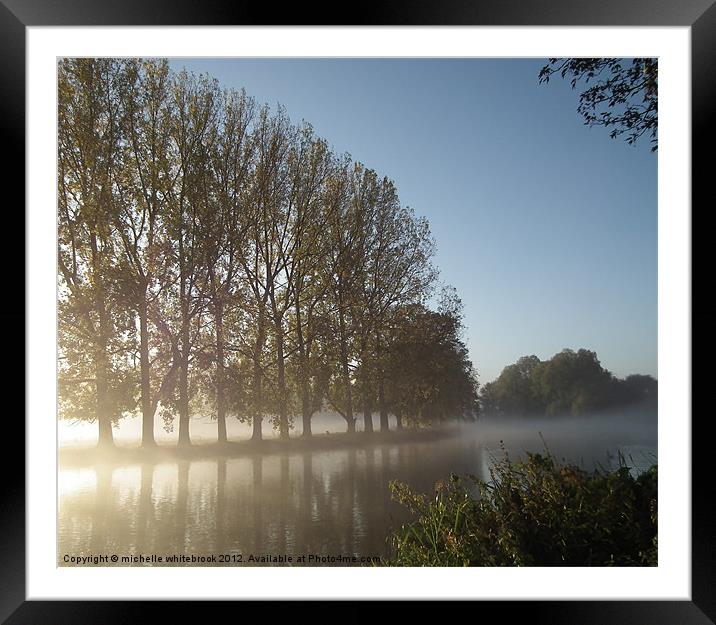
532,513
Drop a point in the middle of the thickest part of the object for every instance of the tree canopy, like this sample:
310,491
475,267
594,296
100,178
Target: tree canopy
429,373
569,383
215,258
617,94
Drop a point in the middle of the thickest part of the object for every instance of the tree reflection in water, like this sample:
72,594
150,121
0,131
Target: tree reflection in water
328,503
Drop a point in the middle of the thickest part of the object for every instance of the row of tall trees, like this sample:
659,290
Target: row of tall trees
215,258
569,383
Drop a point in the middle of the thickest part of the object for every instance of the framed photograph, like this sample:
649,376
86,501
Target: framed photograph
393,310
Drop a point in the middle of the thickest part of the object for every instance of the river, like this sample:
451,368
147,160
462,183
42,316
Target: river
322,504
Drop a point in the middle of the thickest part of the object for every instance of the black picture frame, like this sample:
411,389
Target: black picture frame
700,15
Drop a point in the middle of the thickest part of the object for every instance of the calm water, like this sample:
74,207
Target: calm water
327,503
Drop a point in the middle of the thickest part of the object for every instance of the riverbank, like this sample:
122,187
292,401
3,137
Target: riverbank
536,512
88,456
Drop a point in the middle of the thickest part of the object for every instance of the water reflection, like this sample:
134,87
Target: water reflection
328,503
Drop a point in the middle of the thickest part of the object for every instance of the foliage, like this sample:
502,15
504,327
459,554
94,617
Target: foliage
532,513
431,378
569,383
216,257
617,95
94,328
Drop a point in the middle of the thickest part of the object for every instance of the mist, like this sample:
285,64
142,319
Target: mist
324,501
591,441
203,429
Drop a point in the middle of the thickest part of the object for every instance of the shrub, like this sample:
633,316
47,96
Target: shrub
532,513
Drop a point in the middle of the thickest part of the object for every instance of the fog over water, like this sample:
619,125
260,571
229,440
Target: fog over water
324,503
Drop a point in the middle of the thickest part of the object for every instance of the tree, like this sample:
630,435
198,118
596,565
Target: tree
305,285
515,392
345,235
636,389
397,270
94,331
140,221
622,96
218,258
226,226
570,383
430,377
193,132
296,240
262,263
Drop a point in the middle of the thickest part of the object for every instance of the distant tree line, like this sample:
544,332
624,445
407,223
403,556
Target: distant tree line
569,383
214,258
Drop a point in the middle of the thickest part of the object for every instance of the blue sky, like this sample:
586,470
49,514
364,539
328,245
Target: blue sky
547,228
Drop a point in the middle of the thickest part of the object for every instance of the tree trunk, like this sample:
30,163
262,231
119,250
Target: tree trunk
306,411
147,411
384,423
306,406
345,371
257,420
220,391
281,375
367,395
184,438
382,407
105,437
398,422
367,413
